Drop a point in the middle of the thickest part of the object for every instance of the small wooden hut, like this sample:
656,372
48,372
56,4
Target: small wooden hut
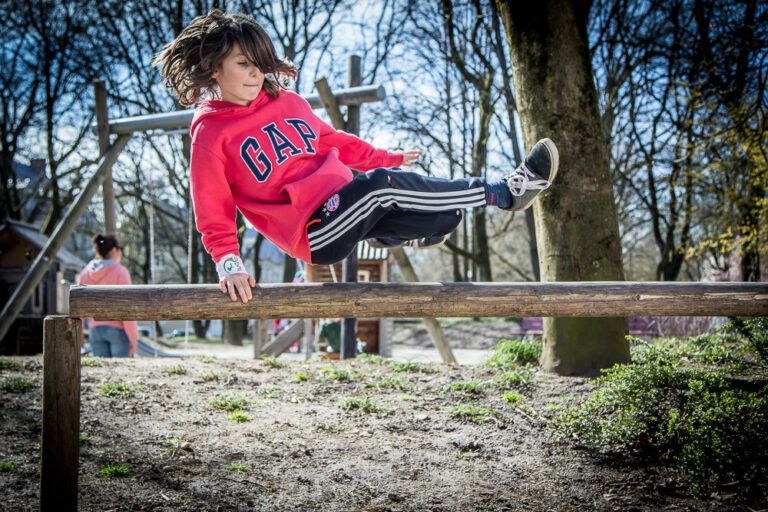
374,265
20,244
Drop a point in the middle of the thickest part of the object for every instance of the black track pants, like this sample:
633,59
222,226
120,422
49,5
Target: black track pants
389,203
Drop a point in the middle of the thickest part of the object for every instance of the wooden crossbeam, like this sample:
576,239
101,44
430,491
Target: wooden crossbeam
422,300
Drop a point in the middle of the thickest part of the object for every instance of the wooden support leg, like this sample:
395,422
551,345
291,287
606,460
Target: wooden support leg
60,446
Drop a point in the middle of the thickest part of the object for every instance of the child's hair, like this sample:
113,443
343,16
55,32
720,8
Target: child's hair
188,62
103,243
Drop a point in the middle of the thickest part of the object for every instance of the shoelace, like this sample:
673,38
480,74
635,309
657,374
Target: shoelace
520,181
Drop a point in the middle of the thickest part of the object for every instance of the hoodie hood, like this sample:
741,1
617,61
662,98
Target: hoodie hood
220,108
100,271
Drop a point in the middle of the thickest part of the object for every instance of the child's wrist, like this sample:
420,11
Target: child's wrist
228,265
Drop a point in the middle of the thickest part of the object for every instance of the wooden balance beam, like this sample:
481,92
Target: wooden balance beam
422,300
61,359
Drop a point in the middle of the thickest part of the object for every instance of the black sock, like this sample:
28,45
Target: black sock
498,194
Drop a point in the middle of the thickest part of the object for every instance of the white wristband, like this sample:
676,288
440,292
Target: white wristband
228,265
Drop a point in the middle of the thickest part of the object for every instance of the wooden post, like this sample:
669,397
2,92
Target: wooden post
433,327
308,339
349,265
260,336
102,127
60,445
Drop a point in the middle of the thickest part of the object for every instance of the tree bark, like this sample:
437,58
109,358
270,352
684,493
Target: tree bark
577,227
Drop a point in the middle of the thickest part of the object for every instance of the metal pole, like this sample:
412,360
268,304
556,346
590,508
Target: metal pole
349,265
63,229
183,118
102,124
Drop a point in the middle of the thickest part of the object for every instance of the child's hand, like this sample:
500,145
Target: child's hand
238,283
409,157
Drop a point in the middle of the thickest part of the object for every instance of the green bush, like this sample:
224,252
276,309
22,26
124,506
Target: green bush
755,331
509,354
693,417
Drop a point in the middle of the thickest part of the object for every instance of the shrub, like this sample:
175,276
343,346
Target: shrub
755,331
692,416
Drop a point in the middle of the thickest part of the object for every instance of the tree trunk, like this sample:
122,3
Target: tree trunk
577,226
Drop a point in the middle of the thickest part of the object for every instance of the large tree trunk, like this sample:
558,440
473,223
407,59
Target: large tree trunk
577,226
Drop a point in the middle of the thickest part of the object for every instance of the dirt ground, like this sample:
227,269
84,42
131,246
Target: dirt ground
305,450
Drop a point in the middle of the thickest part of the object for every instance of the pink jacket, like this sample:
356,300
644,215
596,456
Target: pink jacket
276,162
99,271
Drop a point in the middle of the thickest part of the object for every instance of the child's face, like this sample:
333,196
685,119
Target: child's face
239,79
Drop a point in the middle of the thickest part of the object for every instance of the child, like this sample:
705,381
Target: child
259,148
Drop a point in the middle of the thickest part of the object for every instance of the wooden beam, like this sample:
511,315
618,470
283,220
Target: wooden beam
60,443
422,300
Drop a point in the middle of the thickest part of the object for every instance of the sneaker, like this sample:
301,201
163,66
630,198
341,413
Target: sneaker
418,243
534,175
427,242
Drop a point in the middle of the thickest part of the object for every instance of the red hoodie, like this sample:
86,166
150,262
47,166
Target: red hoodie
100,271
276,162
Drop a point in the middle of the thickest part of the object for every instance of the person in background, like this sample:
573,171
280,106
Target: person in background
109,338
330,333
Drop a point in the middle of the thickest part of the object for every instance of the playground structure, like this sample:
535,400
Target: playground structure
61,352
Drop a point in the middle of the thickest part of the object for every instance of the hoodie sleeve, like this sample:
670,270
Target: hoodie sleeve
355,152
215,213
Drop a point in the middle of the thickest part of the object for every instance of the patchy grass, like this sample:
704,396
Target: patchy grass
513,398
239,467
84,439
239,416
470,386
337,374
471,412
371,359
212,376
118,389
410,367
8,364
116,470
301,377
205,359
5,467
90,361
175,370
361,403
274,362
230,403
387,381
514,377
510,354
17,384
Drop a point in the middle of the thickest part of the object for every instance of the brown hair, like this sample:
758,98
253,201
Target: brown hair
103,243
188,62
